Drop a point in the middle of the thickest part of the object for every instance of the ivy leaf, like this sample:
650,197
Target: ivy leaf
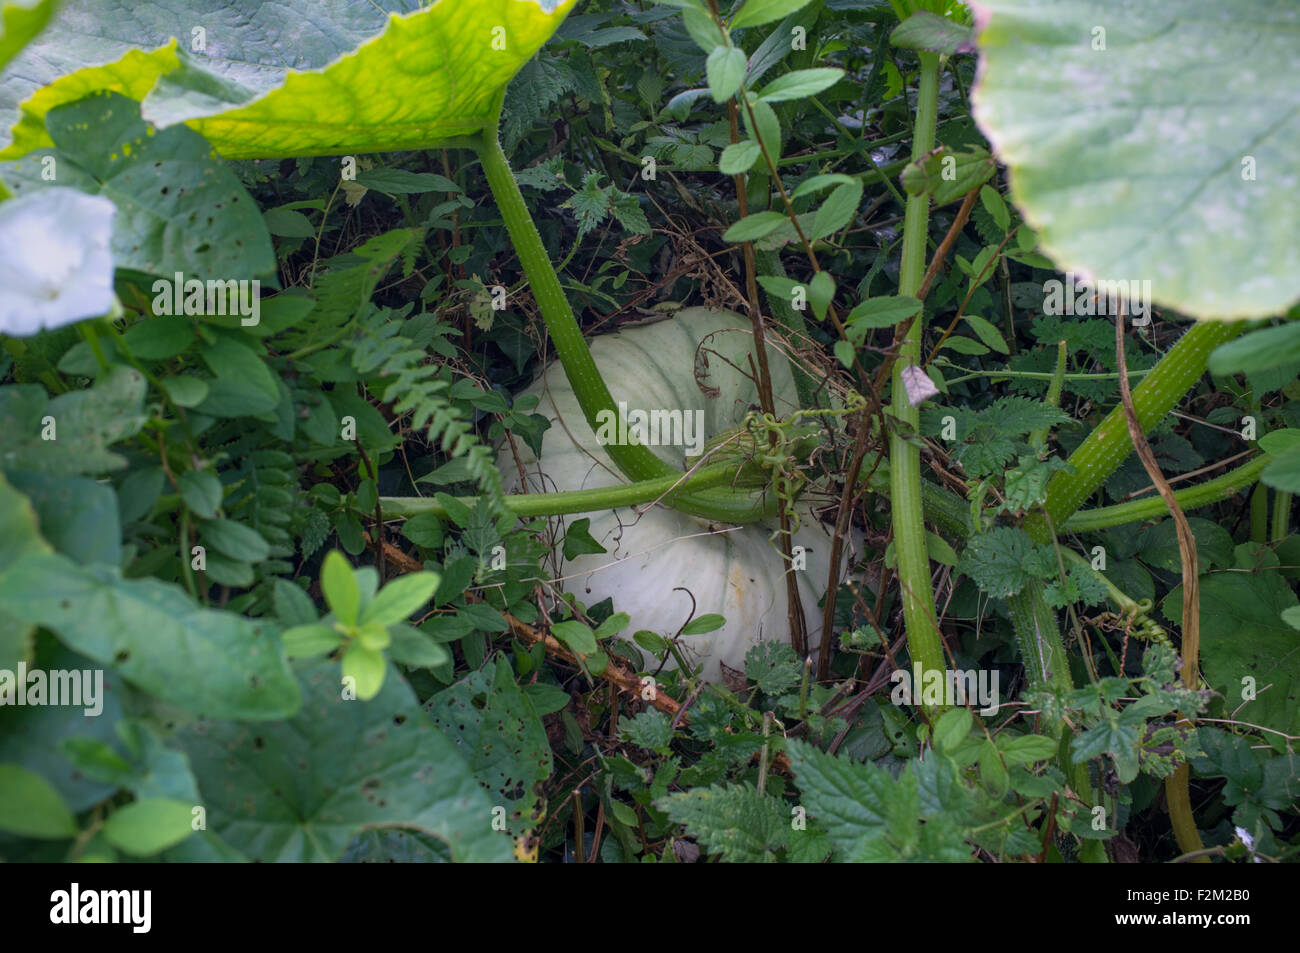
578,540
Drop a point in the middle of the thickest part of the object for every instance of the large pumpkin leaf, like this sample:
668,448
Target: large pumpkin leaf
300,77
202,660
300,790
1153,141
20,24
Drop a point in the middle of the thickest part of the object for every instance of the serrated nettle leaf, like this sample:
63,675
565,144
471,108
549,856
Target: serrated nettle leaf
758,12
404,89
739,157
725,68
1106,161
800,84
948,175
924,30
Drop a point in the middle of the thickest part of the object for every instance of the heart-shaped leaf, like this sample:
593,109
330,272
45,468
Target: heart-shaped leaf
313,77
1157,143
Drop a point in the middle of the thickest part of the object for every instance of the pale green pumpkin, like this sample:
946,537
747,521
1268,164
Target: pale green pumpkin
734,571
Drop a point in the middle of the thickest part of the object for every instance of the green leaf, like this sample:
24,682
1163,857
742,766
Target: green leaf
948,175
416,649
1026,749
837,211
78,516
1248,653
800,84
726,71
147,827
649,729
1003,561
401,597
709,622
764,127
739,157
201,490
220,664
758,12
821,292
702,28
21,23
306,641
1110,162
366,668
773,667
883,312
339,586
244,385
31,807
612,626
86,424
952,728
186,391
576,636
180,208
1284,472
816,183
987,333
733,821
924,30
497,727
871,816
992,201
1258,351
424,529
234,540
755,226
308,785
578,540
414,80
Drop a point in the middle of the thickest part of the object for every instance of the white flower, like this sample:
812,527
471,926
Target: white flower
55,263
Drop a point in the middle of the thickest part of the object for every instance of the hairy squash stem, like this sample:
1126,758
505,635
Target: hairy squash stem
635,461
663,489
919,614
